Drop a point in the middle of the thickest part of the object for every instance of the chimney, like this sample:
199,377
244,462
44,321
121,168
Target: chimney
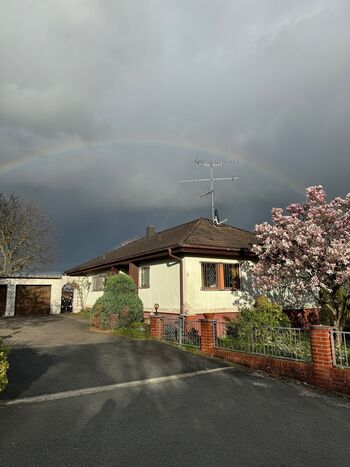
150,230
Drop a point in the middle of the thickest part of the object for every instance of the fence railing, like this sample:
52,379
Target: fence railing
170,329
281,342
181,331
340,342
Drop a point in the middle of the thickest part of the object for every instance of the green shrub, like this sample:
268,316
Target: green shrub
3,366
262,315
258,330
119,306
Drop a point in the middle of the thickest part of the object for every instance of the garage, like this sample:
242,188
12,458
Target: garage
33,299
3,295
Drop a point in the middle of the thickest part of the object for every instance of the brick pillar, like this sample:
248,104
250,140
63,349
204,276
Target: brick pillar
322,360
156,327
207,337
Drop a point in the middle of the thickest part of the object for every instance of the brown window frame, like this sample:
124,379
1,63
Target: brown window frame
220,276
141,285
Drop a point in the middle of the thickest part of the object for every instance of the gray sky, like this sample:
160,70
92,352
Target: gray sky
105,104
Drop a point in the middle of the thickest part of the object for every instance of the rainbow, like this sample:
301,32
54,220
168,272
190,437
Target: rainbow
58,151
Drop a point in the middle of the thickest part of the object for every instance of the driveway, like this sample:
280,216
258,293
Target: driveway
54,354
114,401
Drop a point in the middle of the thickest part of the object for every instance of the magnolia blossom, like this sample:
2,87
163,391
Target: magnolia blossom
307,248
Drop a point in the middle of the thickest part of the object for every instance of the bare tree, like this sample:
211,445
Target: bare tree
27,240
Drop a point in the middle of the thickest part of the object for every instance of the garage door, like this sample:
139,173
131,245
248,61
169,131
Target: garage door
33,299
3,292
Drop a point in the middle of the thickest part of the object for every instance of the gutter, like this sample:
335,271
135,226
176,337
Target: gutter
180,261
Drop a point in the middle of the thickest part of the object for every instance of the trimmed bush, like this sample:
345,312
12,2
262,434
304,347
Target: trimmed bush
119,306
3,366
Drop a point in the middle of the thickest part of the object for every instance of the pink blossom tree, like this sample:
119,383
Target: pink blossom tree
307,250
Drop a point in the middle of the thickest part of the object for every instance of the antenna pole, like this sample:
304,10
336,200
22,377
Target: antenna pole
212,193
212,164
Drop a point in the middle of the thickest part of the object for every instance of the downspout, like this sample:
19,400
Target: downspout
179,260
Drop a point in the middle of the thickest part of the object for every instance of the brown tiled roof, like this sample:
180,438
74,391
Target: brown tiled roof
200,233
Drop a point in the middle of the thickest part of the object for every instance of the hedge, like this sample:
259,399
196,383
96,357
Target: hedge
4,351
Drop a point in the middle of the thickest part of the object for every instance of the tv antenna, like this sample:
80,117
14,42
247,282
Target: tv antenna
211,192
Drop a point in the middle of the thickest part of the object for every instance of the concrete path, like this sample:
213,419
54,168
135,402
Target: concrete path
208,416
48,331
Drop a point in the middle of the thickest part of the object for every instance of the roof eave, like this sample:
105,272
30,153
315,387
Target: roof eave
178,248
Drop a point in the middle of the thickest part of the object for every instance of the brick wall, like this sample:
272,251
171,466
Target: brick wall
275,366
320,371
340,380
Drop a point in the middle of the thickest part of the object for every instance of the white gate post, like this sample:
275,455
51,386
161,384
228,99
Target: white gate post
10,299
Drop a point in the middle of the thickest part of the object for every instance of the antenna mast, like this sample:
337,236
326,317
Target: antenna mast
211,192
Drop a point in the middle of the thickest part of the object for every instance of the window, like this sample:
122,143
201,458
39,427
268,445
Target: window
219,276
231,276
98,283
209,276
144,277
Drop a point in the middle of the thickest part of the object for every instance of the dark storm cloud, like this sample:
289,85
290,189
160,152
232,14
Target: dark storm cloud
104,106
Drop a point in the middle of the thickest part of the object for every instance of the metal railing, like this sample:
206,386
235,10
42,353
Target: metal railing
170,329
280,342
182,331
340,342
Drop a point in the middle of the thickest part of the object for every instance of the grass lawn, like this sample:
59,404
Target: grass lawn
137,332
85,313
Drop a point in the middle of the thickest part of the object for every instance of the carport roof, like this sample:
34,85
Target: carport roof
200,234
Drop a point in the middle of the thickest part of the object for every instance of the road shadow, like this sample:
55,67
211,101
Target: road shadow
26,366
36,371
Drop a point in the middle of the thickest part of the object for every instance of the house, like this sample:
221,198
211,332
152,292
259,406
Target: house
192,268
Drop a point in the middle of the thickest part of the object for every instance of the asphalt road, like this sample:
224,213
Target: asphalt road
232,417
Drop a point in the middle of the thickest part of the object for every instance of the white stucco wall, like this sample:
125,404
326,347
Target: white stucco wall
92,296
165,289
199,301
164,286
56,285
